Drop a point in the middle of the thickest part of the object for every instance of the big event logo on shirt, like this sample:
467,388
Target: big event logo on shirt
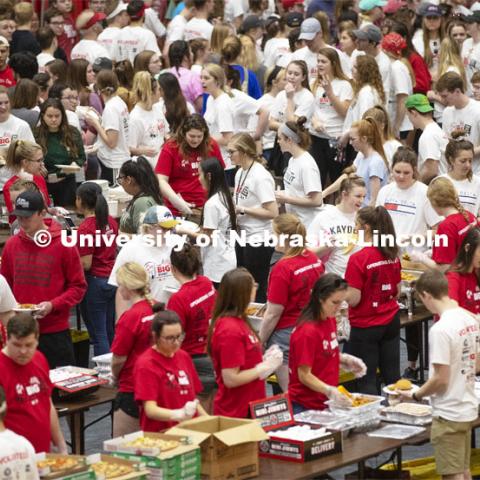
30,392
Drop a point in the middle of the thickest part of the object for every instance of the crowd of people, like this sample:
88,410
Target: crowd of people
290,134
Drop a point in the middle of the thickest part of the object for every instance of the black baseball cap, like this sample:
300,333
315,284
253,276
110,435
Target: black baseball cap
102,63
251,22
28,203
294,19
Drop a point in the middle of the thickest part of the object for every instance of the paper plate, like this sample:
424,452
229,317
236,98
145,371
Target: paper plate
393,392
189,225
20,309
69,168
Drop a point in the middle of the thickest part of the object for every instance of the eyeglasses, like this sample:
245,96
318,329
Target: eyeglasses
174,338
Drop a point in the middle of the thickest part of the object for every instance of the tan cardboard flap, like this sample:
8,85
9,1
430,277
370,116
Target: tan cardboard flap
241,434
197,438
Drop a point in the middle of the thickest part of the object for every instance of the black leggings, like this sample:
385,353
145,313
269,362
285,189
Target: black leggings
412,337
257,261
378,347
325,158
63,192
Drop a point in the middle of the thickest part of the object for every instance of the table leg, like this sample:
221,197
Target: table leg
399,461
361,469
77,431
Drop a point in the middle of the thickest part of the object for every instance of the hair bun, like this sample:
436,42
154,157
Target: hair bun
301,121
158,307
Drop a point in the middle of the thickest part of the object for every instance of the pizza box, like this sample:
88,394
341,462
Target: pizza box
256,317
78,471
71,381
275,415
138,469
119,444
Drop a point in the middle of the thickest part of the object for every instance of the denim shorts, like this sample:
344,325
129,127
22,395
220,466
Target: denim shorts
282,339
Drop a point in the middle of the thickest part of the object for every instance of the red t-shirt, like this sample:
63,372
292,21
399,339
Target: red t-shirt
423,79
133,335
7,77
315,345
103,256
69,38
194,305
235,345
377,278
39,182
455,227
463,287
183,174
3,335
290,284
28,390
171,382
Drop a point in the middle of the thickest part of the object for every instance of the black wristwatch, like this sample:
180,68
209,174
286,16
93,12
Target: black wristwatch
414,396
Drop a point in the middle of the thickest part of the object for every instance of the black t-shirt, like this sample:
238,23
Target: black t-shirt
24,41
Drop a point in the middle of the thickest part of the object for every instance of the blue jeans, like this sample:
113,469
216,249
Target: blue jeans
98,312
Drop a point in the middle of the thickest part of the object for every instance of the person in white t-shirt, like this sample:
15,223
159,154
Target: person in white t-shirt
303,188
152,22
117,20
233,12
220,111
471,45
333,94
371,162
255,205
462,116
311,32
176,27
433,140
17,455
7,301
199,26
459,155
89,24
135,38
48,43
148,126
401,85
112,140
331,235
277,44
454,342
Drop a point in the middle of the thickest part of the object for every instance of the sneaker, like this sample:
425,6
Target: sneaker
411,374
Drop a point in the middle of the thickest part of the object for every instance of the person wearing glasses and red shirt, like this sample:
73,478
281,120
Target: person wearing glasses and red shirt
166,383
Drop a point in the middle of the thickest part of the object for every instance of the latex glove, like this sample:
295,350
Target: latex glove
354,365
338,398
269,365
61,212
419,257
186,412
273,351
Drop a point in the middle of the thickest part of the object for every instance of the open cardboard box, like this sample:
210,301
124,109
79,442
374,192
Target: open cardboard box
229,446
275,413
138,469
80,470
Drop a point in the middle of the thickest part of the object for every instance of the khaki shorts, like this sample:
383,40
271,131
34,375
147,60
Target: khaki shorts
451,445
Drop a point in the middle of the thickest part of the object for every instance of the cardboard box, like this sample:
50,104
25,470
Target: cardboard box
229,446
119,444
139,470
79,472
275,414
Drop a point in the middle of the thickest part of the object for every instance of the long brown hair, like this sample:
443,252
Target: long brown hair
452,151
428,54
233,297
193,122
337,71
368,73
368,127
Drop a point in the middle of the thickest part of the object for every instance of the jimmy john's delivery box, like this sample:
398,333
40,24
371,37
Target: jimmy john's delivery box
289,440
229,446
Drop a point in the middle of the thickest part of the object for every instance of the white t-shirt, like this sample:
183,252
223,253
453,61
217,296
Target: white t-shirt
198,28
326,113
153,23
73,120
409,208
367,98
176,28
384,66
468,192
108,38
220,118
333,226
301,178
266,102
148,128
132,41
17,457
232,9
310,59
89,50
155,260
401,83
246,109
274,49
114,117
304,105
454,341
7,300
43,59
417,41
471,57
390,147
466,119
252,189
368,167
219,257
431,145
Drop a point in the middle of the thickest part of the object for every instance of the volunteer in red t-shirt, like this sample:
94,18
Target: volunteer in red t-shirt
235,349
177,166
315,359
193,304
98,258
463,277
165,381
7,75
25,160
25,379
42,270
133,336
373,275
289,286
69,38
458,221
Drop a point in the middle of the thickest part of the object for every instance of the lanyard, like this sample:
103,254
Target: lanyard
241,182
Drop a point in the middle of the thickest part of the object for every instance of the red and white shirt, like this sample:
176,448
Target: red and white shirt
463,287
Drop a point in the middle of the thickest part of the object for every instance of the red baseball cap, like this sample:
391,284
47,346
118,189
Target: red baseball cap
286,4
88,19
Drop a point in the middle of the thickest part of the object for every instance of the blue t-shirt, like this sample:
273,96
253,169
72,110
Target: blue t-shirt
178,9
254,89
368,167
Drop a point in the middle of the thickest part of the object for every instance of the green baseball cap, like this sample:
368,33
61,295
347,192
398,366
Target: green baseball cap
418,102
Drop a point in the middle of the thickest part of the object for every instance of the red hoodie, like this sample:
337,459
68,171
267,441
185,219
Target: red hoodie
45,274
